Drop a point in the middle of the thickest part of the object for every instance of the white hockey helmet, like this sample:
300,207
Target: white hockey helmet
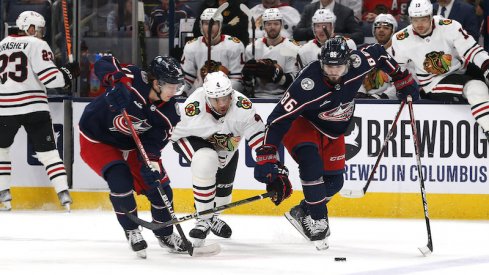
420,8
28,18
384,19
323,16
207,15
217,84
272,14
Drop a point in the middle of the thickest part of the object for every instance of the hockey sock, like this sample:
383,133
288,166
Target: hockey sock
204,169
158,209
315,198
310,162
5,168
54,168
477,95
120,181
333,184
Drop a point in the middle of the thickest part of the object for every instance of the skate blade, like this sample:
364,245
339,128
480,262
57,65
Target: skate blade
206,251
322,244
198,242
296,225
141,254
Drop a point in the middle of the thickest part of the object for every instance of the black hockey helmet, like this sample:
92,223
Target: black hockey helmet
335,52
166,69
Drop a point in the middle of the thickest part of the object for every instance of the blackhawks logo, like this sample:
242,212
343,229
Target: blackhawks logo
192,109
224,142
402,35
243,102
375,79
437,62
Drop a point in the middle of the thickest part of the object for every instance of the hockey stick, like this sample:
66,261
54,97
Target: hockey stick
219,10
247,11
208,250
158,226
64,7
350,193
141,36
429,247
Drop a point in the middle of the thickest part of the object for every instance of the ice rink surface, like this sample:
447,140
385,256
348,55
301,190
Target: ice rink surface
92,243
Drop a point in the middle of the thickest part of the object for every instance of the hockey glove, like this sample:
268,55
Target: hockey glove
281,185
405,85
266,169
118,97
154,175
70,71
249,69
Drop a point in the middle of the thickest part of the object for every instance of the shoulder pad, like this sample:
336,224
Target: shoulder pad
402,35
234,39
190,41
445,22
294,42
243,102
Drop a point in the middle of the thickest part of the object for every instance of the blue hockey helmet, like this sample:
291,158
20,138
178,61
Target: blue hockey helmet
335,52
166,69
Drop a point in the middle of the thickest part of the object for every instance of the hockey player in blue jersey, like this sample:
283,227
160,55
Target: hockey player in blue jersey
107,147
311,119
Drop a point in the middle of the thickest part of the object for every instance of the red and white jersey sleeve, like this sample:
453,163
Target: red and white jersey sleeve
26,70
229,51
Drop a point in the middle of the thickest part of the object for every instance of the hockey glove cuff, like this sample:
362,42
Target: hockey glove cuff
405,85
266,169
70,71
281,185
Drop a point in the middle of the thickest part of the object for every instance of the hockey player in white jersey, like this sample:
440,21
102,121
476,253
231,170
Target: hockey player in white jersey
377,84
273,64
440,49
291,18
215,119
27,70
227,54
322,19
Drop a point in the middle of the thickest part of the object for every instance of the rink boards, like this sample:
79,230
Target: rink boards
454,158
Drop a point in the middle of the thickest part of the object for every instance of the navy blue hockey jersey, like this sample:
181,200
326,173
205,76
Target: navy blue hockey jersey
329,107
153,121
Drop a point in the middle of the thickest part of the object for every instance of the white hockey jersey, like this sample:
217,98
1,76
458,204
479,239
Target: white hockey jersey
310,51
229,51
446,51
241,121
291,19
284,53
26,69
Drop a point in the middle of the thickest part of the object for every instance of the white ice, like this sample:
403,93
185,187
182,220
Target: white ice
92,243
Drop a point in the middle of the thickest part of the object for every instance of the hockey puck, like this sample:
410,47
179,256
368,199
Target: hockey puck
340,259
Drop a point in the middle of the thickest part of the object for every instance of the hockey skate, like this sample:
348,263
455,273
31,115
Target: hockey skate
316,231
5,198
65,199
220,228
173,243
137,243
200,231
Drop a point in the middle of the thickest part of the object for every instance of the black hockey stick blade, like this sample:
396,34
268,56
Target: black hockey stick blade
158,226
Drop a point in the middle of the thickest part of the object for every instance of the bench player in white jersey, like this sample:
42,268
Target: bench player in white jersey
215,119
377,84
440,50
309,52
227,54
274,63
26,70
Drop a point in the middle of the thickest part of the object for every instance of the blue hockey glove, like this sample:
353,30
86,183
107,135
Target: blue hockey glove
405,85
118,97
151,175
281,185
266,169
